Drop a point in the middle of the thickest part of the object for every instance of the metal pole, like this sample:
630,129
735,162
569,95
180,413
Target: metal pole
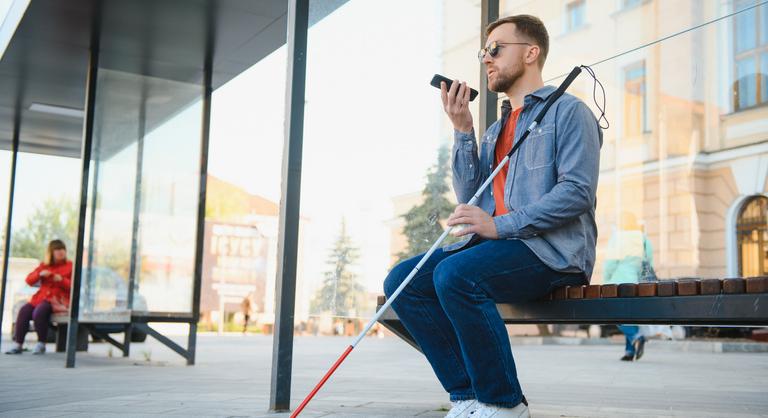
489,12
133,267
90,110
204,140
287,247
9,215
92,224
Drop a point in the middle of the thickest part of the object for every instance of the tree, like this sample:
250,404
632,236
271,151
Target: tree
341,294
422,222
53,219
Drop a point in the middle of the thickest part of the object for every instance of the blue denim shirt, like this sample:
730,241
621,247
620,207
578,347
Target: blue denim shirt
551,181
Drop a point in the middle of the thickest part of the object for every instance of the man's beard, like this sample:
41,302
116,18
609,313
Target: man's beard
504,82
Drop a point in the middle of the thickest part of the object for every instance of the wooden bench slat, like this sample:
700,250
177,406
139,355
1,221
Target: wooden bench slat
734,286
592,291
756,284
687,287
608,291
710,286
560,293
627,290
646,290
576,292
666,288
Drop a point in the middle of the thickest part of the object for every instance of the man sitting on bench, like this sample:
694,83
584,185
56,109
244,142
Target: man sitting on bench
532,232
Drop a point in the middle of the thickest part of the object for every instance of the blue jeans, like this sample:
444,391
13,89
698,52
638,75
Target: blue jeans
450,309
631,333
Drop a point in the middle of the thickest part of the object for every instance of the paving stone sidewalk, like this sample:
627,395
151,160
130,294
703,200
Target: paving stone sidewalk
381,378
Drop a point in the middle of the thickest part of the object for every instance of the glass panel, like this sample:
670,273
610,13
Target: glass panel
746,80
763,24
368,158
576,14
752,227
695,89
763,77
244,167
5,162
168,219
166,115
635,110
625,4
105,279
746,32
613,33
45,208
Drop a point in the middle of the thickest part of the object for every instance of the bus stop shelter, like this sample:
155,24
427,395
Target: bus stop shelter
125,87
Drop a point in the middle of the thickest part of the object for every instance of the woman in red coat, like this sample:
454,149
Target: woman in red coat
54,275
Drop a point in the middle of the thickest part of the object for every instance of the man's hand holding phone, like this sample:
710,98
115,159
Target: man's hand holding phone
456,105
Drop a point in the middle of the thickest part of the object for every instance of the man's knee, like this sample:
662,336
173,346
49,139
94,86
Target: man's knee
396,277
448,279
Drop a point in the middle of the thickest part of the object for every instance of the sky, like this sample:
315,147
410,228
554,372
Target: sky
372,129
372,126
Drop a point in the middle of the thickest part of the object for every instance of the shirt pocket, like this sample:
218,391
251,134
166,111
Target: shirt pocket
540,147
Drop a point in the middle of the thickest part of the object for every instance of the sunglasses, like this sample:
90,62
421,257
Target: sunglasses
494,47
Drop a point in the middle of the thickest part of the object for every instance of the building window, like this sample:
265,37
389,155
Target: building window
752,237
635,100
576,14
750,46
628,4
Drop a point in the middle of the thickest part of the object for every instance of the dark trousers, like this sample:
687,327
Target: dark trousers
450,309
632,333
40,314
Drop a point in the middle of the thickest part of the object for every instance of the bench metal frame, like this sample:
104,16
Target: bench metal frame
137,322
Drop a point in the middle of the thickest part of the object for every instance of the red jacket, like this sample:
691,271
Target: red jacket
56,293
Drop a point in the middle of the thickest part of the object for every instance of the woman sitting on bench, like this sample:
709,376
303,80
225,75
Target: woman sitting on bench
54,276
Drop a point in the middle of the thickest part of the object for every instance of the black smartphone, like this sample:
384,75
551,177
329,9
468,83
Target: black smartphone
438,78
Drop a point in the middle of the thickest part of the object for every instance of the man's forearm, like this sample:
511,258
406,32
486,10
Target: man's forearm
466,166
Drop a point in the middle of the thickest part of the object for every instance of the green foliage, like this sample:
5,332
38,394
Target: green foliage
340,294
52,219
423,222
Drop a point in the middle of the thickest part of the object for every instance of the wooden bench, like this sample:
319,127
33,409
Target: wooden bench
684,301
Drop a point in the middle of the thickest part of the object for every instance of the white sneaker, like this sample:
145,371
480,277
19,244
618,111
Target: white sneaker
39,348
488,411
462,409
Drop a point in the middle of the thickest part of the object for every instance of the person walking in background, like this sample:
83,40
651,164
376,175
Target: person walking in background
245,306
54,276
629,259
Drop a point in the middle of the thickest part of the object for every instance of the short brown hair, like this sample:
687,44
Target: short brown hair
531,28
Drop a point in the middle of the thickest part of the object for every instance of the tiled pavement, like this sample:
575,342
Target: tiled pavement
382,377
